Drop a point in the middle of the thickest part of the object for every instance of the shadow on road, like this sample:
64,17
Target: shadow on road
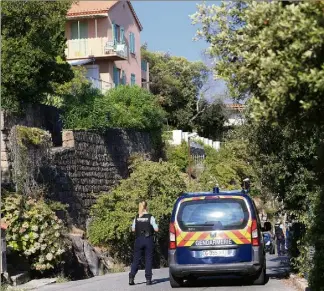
277,269
218,282
162,280
155,281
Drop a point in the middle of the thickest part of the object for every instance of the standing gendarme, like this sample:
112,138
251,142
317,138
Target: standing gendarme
144,226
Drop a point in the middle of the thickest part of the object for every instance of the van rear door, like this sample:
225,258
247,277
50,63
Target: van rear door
213,229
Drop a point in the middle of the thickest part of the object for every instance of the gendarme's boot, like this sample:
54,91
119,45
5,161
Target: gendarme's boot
148,281
131,280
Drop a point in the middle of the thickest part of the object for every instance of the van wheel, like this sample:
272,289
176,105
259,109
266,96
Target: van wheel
261,279
175,282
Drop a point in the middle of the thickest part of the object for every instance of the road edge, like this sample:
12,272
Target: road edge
299,283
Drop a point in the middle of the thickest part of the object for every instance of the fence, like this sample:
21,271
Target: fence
178,136
198,159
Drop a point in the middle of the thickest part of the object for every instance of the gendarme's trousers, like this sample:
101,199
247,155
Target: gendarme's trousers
143,244
281,246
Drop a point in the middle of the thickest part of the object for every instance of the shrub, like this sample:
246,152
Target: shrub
227,166
34,231
178,155
76,91
124,107
159,184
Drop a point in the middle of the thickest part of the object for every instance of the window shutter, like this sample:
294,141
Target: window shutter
133,43
122,32
130,42
144,65
124,78
116,76
114,32
133,80
74,30
83,25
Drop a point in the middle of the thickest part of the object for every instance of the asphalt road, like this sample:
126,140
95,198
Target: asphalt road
277,269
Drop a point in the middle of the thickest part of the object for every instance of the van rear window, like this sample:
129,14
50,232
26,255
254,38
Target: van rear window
213,214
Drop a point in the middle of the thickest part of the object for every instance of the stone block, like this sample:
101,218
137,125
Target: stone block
20,278
4,156
68,139
4,165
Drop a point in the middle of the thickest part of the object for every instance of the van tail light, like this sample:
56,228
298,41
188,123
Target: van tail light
172,231
255,233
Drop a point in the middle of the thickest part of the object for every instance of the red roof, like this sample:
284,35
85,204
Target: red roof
93,7
235,106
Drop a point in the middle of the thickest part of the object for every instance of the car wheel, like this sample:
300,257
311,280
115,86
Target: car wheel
261,279
175,282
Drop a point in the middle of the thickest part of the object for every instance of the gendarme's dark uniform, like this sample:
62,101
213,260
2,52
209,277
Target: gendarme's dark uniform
144,229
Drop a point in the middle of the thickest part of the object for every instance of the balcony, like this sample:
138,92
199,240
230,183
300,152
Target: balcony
99,47
100,84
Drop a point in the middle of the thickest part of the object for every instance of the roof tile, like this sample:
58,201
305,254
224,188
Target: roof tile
90,6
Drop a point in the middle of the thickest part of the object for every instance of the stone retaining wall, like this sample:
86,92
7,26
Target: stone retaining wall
90,163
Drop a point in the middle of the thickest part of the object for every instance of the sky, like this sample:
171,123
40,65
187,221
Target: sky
167,27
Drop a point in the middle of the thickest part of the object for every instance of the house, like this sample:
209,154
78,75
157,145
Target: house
104,37
235,114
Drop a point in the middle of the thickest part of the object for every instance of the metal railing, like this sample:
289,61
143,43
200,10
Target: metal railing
101,85
96,47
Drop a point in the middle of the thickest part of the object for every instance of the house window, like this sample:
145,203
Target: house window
79,29
116,76
133,79
123,80
132,42
118,33
144,65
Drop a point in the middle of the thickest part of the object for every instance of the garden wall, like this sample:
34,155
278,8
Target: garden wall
41,116
82,164
89,163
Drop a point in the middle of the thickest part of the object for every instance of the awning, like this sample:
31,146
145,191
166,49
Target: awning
80,62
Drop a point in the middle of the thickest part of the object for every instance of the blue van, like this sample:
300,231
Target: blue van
214,234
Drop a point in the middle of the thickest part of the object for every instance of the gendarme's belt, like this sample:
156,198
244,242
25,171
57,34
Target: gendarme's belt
146,234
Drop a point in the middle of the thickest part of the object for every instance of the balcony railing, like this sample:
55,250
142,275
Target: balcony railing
96,47
101,85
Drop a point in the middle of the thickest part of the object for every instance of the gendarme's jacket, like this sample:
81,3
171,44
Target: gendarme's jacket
145,223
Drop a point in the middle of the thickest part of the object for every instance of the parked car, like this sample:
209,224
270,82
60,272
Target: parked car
269,243
216,233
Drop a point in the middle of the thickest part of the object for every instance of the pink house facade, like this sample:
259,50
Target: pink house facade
104,37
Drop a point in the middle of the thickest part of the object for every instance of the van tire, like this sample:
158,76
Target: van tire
261,279
175,282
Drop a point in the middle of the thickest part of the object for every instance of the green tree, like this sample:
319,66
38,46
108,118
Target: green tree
33,43
210,122
75,91
266,51
178,155
228,166
177,83
159,184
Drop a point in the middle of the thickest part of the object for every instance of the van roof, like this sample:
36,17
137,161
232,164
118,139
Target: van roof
229,192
